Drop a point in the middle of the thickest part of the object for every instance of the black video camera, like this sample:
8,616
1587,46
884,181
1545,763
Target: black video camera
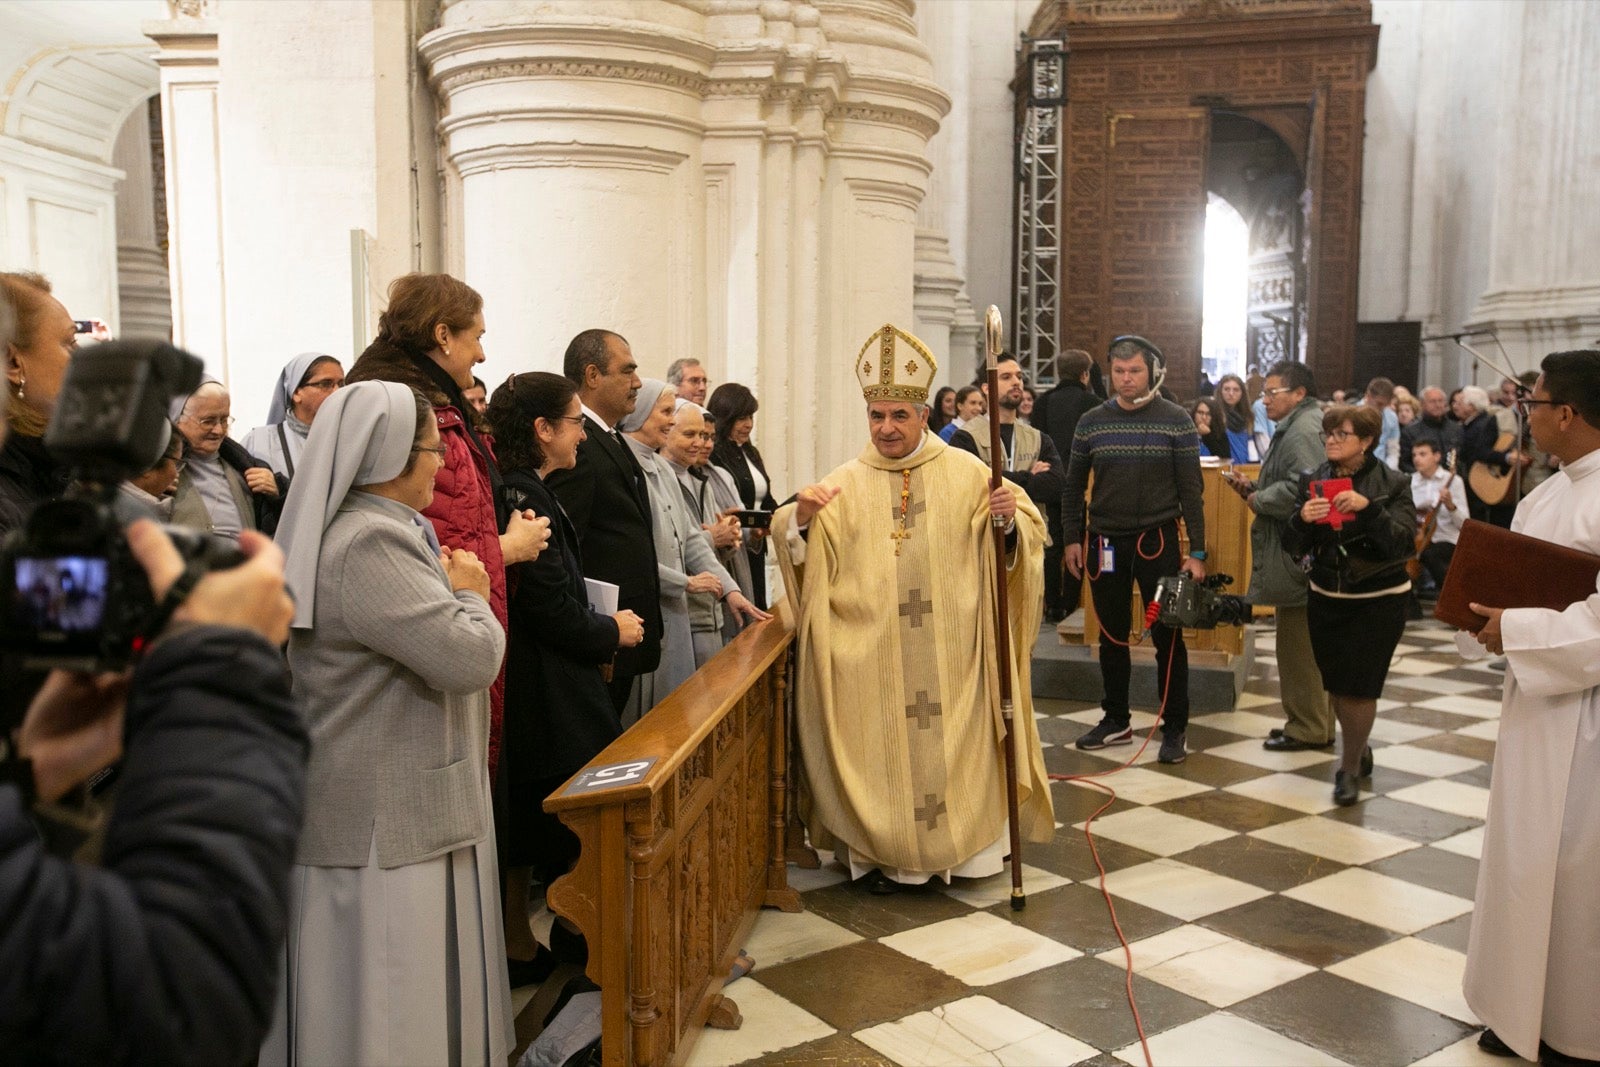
1183,603
71,593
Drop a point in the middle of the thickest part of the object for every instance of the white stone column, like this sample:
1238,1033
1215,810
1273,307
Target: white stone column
197,267
145,293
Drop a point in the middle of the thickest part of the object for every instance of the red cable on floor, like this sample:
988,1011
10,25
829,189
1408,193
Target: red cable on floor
1088,826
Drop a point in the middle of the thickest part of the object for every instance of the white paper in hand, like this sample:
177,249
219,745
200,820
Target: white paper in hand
602,597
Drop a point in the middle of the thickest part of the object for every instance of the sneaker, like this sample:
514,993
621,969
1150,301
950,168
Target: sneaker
1103,734
1172,749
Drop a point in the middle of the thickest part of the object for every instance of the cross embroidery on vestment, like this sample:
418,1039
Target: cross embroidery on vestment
932,808
924,710
915,608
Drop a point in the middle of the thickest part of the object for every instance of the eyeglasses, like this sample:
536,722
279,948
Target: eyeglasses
1276,390
212,422
324,384
1338,435
578,419
1526,402
439,450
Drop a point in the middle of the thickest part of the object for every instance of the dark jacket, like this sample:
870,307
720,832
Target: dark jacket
559,715
1296,449
28,477
1063,407
267,507
606,500
169,951
737,461
1445,433
1369,553
463,512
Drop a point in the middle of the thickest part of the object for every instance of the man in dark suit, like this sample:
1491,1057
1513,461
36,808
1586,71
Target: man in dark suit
605,497
1057,414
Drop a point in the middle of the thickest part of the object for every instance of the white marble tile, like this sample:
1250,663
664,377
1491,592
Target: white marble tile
1146,786
1242,722
976,1030
1246,701
1488,730
1464,1053
1179,889
980,949
1289,790
1391,903
1430,684
1392,732
1457,798
771,1024
1468,843
1157,831
1335,840
985,892
1414,970
1426,761
1385,704
1154,951
1477,707
780,936
1224,974
1416,666
1137,754
1224,1040
1405,648
1252,753
830,873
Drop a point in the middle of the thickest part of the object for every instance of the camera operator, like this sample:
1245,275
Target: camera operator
168,950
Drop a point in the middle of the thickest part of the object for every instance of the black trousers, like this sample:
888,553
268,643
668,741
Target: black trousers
1060,588
1113,591
1435,560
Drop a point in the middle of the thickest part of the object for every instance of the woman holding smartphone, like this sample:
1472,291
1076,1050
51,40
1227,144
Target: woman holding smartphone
1355,529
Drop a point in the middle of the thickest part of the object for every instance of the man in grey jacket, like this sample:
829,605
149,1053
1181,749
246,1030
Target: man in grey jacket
1275,578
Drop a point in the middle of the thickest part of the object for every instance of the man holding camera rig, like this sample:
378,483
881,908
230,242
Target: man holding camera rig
167,951
1145,455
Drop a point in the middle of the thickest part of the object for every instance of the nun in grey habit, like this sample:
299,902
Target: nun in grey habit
311,377
684,554
395,950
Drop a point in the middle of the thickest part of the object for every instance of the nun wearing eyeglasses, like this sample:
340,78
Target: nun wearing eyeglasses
307,380
395,950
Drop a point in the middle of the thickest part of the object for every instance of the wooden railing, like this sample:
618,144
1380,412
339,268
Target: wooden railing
677,857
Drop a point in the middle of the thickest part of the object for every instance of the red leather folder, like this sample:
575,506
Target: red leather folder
1501,569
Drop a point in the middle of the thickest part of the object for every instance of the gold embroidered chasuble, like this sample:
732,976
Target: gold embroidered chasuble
898,710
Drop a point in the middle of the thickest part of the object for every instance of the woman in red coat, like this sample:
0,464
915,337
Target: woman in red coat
430,338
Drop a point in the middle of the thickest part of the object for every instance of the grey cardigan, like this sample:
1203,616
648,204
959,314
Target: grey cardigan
394,678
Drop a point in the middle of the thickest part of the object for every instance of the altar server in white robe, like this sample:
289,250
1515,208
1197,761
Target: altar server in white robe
1533,957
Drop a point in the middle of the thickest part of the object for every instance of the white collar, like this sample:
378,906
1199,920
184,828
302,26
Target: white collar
589,411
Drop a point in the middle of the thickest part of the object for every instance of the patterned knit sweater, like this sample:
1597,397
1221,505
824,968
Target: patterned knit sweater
1146,466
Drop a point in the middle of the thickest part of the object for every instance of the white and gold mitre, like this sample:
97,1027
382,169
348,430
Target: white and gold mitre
893,365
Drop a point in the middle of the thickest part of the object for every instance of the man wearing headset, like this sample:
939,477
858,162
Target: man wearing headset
1145,455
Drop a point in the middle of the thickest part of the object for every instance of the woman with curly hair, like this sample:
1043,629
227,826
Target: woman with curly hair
1240,421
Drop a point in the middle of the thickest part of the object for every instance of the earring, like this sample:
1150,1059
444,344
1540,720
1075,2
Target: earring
21,381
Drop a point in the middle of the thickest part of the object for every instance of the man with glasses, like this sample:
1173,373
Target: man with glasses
1276,578
223,488
1533,959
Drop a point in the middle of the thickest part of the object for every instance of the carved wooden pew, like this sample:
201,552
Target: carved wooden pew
678,855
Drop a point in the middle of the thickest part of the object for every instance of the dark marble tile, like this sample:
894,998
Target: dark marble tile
1383,780
1064,759
1059,731
1452,934
1491,686
1263,863
1351,1021
1206,769
1068,854
1230,810
1434,868
1430,717
1478,776
852,907
1200,737
1088,999
861,984
1076,915
1457,745
835,1050
1056,706
1075,803
1411,821
1298,930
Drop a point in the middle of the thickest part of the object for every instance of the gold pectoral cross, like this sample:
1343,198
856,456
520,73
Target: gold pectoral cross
900,534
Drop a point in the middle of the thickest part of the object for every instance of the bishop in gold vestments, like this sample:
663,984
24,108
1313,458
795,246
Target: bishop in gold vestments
889,567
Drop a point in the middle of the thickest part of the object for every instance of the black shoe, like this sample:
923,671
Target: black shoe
1282,742
1554,1057
530,972
1346,789
1490,1042
1276,731
1366,762
879,884
1172,749
1105,733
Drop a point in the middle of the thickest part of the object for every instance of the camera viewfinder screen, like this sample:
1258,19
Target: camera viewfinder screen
63,594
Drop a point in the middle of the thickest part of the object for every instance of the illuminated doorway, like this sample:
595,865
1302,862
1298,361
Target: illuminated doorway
1224,332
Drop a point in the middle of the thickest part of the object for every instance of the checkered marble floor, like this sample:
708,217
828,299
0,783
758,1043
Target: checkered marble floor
1267,925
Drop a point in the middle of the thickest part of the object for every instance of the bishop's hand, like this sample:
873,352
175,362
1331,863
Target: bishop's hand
1003,504
810,500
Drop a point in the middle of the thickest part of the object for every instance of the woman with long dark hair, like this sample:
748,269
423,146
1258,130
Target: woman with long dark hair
942,410
559,713
1209,422
1234,400
734,407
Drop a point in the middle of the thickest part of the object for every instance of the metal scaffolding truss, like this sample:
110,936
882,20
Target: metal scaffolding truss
1035,318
